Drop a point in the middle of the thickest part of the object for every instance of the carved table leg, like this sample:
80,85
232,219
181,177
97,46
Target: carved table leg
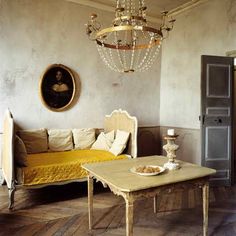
90,201
205,196
155,204
129,217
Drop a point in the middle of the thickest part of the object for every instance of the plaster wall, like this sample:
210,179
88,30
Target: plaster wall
209,29
37,33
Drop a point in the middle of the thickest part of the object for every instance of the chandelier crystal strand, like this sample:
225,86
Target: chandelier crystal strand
157,49
113,62
124,52
132,54
129,44
152,57
118,51
104,57
145,56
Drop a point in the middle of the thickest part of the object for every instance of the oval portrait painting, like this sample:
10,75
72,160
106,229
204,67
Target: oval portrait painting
57,87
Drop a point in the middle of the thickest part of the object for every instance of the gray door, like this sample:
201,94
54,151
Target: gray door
217,117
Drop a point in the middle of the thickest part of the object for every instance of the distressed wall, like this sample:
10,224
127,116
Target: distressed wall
209,29
37,33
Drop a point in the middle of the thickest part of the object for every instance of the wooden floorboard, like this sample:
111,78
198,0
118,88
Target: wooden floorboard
62,211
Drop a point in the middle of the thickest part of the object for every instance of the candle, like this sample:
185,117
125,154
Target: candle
171,132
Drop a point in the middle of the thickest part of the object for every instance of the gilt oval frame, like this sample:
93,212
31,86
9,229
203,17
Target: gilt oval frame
43,94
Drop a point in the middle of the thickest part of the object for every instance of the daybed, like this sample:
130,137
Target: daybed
56,168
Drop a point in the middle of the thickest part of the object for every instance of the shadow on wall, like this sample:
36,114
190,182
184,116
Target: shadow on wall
149,141
189,142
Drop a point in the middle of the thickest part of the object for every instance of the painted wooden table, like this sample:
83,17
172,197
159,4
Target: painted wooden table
118,177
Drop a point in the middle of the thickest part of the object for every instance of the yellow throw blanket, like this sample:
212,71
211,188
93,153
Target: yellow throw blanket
45,168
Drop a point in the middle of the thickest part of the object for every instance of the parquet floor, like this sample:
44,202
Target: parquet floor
62,210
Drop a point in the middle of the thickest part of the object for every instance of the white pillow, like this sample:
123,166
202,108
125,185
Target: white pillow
83,138
60,140
120,142
104,141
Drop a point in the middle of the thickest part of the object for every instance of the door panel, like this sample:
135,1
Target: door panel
218,81
216,117
217,143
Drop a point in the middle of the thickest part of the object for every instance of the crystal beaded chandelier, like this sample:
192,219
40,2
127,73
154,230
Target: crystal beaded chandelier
129,44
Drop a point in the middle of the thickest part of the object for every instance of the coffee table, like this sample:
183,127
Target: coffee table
121,181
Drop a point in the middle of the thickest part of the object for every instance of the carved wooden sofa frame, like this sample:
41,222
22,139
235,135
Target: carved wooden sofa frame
118,119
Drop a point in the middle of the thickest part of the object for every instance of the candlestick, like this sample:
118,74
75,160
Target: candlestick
171,149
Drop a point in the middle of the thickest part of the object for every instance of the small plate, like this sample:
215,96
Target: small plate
162,169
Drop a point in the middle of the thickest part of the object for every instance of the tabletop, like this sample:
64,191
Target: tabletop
117,173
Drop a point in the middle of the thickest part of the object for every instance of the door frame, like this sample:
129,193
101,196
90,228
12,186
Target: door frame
233,54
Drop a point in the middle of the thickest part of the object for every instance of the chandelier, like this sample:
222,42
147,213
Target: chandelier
129,44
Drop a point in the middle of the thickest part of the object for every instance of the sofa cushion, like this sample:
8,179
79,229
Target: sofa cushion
20,153
35,140
60,140
83,138
120,142
104,141
50,167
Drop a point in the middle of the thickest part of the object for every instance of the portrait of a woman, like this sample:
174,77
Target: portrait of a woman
57,87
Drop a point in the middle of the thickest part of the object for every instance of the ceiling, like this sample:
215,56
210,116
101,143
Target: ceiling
154,7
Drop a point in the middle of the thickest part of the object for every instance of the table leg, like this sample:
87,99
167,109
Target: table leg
205,196
90,201
155,204
129,217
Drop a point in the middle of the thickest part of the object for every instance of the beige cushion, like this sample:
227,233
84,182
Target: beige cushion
120,142
83,138
35,140
20,153
104,141
60,140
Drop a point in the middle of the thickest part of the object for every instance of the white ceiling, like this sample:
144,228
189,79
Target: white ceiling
154,7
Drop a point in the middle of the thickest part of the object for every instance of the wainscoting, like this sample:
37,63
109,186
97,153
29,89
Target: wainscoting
150,142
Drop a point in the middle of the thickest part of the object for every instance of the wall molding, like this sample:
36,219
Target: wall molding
186,7
154,19
231,53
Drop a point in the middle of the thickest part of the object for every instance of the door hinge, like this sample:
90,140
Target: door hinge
202,119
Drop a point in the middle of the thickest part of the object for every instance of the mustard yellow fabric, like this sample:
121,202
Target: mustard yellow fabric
45,168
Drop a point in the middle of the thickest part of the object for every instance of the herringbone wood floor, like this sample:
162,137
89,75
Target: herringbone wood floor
62,210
